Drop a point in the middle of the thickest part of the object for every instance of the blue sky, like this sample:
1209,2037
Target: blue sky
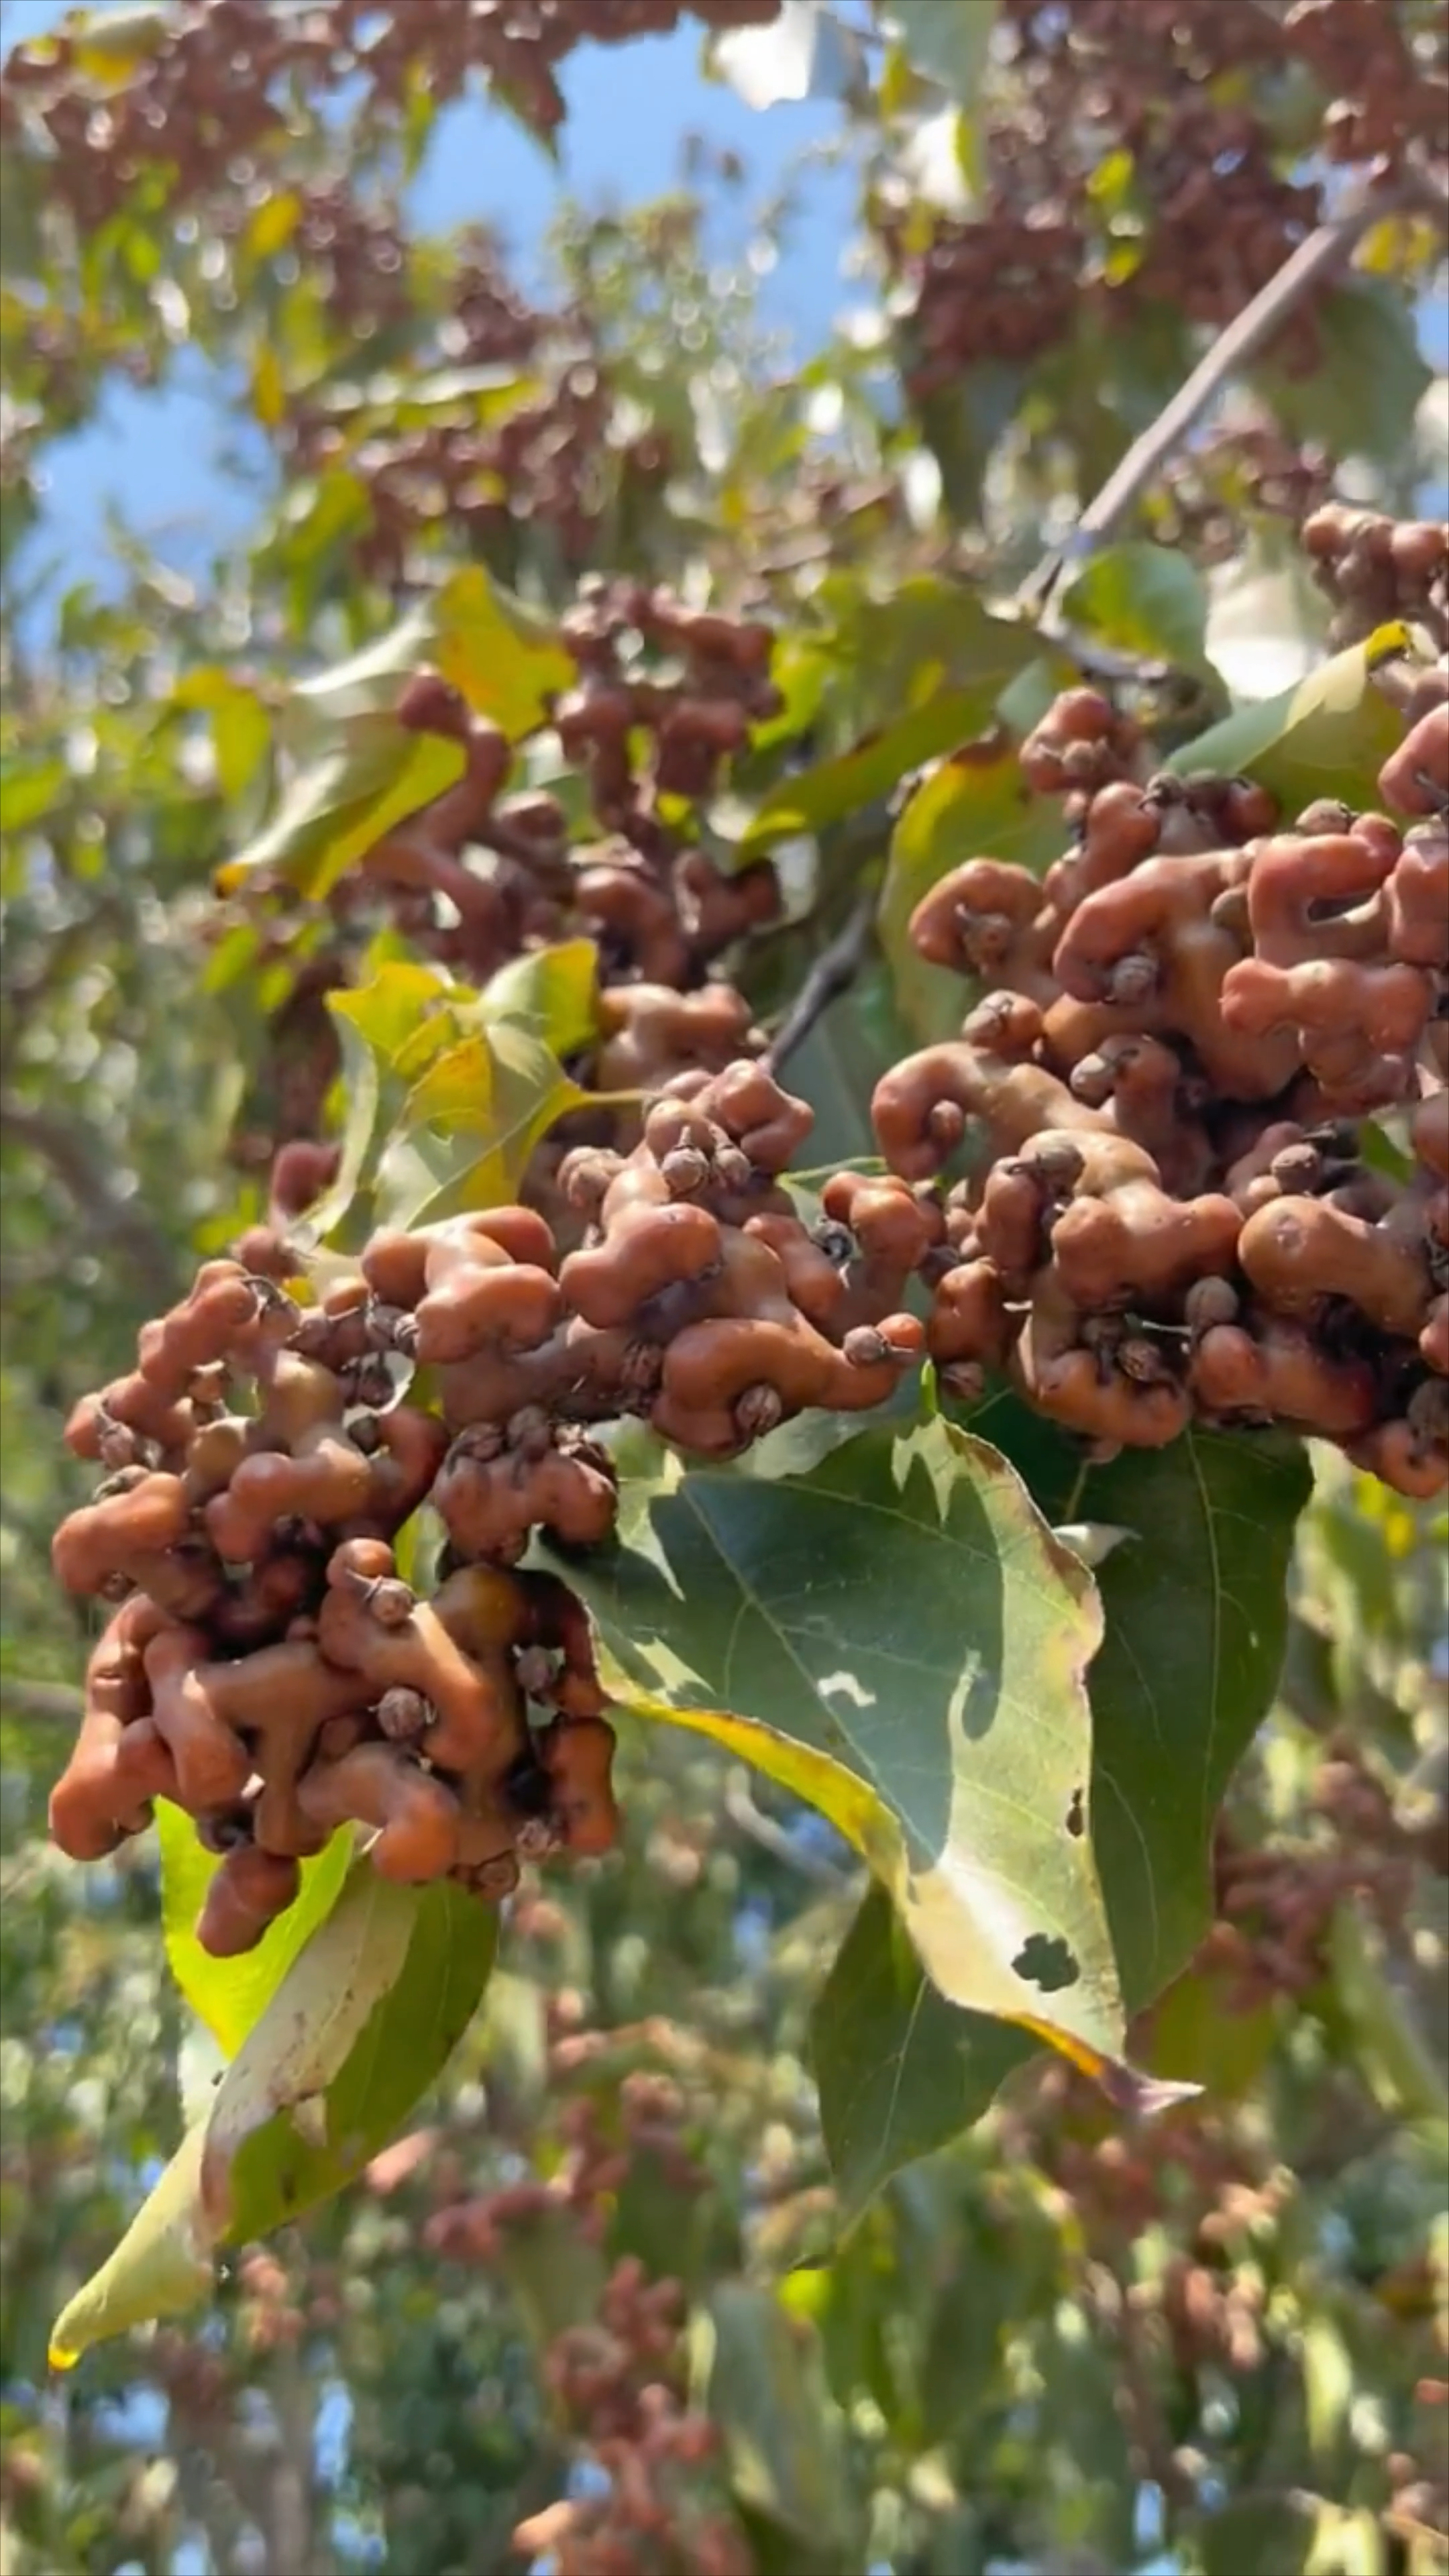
630,109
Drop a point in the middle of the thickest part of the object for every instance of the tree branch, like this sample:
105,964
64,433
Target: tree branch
68,1153
751,1820
1314,260
833,973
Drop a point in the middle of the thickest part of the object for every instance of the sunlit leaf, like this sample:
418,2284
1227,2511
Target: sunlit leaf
229,1995
240,726
551,992
269,392
112,43
445,1102
364,2020
1328,2384
1328,736
504,658
896,1637
355,770
161,2267
810,798
372,774
29,790
1195,1616
273,224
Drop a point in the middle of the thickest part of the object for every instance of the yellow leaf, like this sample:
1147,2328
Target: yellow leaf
269,394
274,223
161,2267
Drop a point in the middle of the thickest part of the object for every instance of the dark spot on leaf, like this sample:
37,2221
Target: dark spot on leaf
1076,1815
1048,1962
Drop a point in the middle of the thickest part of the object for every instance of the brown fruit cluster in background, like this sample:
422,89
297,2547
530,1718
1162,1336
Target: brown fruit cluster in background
486,873
1275,1903
687,684
1214,201
1376,570
1204,494
617,2380
211,87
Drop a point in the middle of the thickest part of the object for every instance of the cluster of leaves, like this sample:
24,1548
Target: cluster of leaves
1008,2351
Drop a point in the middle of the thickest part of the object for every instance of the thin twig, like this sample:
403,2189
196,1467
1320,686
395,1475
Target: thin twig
833,973
1308,266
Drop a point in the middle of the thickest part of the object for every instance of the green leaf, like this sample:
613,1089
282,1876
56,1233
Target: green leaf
962,423
1199,2035
810,798
230,1995
551,992
554,2276
506,659
1328,2385
355,770
1276,2532
899,2070
757,2372
1195,1617
30,789
372,774
469,1127
1142,599
240,727
976,805
951,45
1368,380
897,1637
443,1110
366,2017
161,2268
1329,736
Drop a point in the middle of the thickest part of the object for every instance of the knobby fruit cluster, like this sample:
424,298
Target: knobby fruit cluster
1173,1209
1194,1016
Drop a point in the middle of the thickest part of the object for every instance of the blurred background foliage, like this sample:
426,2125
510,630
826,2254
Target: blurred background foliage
1221,2346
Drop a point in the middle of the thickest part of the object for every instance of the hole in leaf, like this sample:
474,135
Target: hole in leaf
1076,1815
1047,1961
